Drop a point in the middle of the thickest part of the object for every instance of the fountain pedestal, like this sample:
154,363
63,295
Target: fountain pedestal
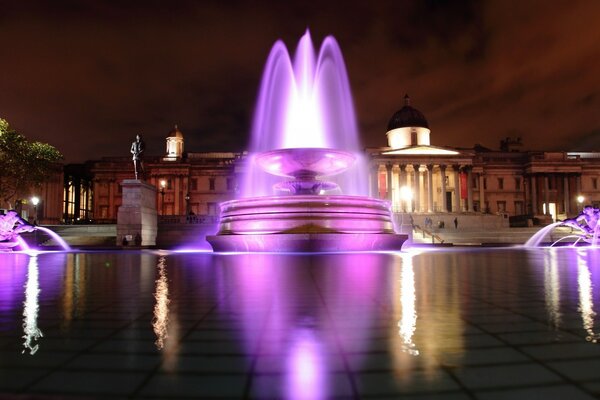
305,219
137,214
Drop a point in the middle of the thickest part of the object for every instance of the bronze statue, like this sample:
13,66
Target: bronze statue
137,151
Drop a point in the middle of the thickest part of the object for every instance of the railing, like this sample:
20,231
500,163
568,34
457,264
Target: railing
426,232
188,219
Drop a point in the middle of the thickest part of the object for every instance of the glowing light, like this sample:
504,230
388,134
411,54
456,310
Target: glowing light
31,307
163,184
408,322
161,308
406,193
35,201
580,199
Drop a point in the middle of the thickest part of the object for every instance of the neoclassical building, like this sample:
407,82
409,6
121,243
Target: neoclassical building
418,177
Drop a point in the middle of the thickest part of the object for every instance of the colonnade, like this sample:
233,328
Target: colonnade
422,187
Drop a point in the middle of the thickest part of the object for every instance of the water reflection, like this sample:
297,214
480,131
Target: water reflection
408,321
586,300
552,287
305,367
160,321
74,293
31,307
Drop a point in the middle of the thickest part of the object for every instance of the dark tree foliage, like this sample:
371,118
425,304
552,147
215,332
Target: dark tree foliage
23,164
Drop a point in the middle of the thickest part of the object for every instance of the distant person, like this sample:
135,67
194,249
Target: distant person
138,239
125,243
455,223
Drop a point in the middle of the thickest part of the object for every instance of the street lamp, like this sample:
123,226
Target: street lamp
163,185
35,201
187,204
580,200
406,195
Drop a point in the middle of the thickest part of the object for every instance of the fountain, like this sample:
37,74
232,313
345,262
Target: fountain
11,227
586,226
305,130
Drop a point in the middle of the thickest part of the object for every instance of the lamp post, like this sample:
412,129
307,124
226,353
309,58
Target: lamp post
35,201
580,200
163,185
187,204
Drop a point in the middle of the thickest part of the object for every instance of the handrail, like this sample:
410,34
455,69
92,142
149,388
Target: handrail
425,232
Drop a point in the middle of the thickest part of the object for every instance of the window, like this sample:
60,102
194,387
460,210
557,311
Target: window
501,206
595,183
518,184
500,183
519,210
230,184
475,183
169,184
211,183
485,183
194,184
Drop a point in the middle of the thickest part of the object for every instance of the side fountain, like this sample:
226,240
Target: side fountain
11,228
587,229
304,130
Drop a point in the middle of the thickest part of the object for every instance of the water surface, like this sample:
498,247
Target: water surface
499,323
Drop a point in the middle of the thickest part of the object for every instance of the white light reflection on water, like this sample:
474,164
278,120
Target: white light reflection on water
160,321
31,307
552,287
408,321
586,301
305,375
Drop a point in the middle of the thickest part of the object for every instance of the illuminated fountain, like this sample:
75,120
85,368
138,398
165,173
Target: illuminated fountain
305,129
586,226
11,228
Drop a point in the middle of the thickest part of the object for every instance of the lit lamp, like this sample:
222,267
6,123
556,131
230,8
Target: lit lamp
163,185
187,204
580,200
406,195
35,201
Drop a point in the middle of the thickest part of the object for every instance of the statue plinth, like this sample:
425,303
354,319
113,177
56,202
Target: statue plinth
137,214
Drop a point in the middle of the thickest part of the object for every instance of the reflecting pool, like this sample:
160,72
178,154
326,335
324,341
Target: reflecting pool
451,324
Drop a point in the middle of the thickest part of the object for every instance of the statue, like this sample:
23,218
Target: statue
587,221
11,225
137,151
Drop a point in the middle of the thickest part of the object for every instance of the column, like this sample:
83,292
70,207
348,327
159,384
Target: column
388,169
401,183
456,205
443,174
111,200
534,204
416,188
546,194
482,208
429,188
469,189
177,196
374,178
566,194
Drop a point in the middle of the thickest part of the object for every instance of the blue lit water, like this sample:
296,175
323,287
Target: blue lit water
456,324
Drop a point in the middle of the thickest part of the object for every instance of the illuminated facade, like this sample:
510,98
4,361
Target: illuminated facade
420,178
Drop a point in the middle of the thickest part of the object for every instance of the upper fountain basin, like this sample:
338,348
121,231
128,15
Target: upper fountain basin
301,163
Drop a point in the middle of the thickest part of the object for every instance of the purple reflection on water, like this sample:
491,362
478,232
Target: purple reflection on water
305,375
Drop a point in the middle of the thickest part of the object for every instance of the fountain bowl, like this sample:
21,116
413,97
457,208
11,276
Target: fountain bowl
305,163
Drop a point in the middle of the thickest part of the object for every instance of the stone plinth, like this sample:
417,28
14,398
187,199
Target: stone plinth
137,215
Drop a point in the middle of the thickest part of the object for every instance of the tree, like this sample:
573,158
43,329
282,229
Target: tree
23,164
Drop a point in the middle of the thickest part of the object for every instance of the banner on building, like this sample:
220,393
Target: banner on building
463,185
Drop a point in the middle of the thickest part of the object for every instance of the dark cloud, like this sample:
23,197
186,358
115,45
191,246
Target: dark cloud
87,76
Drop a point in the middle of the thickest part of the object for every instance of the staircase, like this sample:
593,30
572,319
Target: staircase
483,237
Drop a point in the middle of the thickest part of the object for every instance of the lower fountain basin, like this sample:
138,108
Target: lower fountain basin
306,223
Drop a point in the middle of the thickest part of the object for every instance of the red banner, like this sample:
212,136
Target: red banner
463,185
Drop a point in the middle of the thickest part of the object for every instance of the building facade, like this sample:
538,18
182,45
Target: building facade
415,176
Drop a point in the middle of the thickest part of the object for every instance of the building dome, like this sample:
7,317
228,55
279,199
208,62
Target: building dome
407,117
175,133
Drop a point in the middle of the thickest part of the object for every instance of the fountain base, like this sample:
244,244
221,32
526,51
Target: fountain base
305,223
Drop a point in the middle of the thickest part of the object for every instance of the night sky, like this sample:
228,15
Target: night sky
88,76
